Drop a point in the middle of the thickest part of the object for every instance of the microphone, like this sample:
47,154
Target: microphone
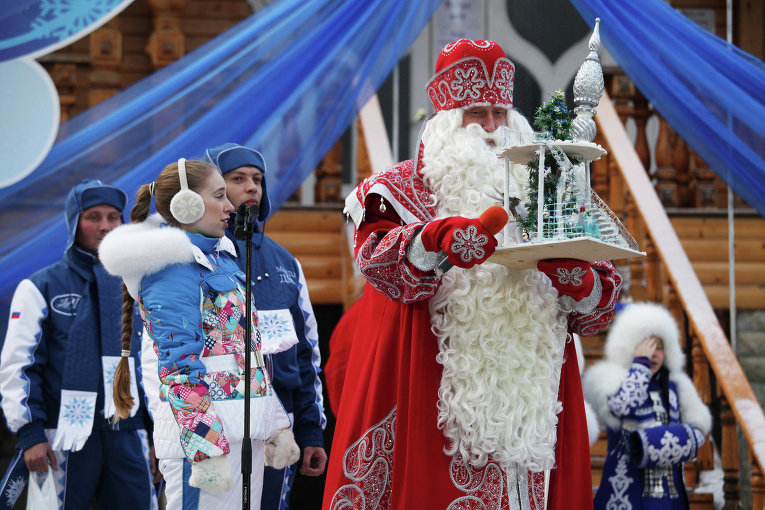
245,218
492,219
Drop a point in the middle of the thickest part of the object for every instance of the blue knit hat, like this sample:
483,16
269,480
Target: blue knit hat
89,193
230,156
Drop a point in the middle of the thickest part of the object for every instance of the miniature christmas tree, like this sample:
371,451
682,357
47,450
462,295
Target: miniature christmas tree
554,121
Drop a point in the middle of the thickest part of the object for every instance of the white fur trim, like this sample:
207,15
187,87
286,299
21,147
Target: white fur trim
600,382
213,475
604,379
281,450
692,410
637,322
593,429
135,250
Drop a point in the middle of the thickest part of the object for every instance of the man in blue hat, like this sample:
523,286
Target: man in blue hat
285,317
56,369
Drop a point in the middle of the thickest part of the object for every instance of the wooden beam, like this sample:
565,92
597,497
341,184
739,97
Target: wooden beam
375,135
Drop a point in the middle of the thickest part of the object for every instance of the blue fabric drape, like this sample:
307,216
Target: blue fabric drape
711,93
287,81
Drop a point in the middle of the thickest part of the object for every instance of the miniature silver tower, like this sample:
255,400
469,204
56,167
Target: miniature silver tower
588,87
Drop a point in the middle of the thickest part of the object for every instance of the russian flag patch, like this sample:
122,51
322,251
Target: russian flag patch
15,315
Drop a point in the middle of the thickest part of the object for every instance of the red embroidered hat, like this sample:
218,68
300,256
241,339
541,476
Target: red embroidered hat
471,72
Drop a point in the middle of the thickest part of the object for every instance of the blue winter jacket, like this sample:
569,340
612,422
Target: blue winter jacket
43,310
279,286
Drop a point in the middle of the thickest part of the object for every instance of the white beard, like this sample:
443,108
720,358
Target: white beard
500,333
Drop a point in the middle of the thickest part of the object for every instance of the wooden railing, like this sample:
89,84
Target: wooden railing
665,275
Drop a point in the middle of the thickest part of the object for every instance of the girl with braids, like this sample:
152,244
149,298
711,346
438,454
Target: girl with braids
180,268
655,419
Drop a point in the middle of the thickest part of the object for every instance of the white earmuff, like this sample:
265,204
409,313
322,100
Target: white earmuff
186,206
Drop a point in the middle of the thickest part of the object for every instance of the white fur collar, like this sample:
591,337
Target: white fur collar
603,380
135,250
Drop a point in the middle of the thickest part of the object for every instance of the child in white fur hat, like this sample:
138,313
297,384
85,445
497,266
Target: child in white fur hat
653,414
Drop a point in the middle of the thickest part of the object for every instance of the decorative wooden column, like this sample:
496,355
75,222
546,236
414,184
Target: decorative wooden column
65,78
730,459
666,187
329,184
680,160
705,190
641,113
758,485
653,271
637,265
105,59
167,42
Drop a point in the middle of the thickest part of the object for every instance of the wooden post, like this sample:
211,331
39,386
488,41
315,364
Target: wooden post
730,459
105,47
704,185
167,43
641,114
653,279
65,78
680,160
666,187
329,185
637,265
758,485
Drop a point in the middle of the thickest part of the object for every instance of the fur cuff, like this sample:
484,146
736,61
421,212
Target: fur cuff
213,475
281,450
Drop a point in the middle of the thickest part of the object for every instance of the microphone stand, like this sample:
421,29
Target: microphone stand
245,222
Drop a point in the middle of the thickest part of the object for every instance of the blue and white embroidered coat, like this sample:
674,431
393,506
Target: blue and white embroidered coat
650,432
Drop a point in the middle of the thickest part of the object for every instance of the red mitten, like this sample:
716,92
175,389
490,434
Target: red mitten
464,240
570,277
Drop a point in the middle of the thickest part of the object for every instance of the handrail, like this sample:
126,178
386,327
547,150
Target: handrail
723,361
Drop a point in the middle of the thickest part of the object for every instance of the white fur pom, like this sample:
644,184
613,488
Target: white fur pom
593,429
281,450
213,475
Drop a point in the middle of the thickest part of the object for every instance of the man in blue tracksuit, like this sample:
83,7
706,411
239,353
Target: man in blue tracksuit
285,317
56,367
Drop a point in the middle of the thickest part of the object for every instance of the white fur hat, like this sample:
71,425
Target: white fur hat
637,322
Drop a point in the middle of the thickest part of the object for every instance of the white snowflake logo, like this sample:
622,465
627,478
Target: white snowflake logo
109,372
77,411
13,491
62,18
273,326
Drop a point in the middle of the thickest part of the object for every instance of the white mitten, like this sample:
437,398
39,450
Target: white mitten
281,450
213,475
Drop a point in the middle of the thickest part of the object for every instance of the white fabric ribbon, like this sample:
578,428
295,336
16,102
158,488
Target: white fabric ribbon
109,364
75,419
